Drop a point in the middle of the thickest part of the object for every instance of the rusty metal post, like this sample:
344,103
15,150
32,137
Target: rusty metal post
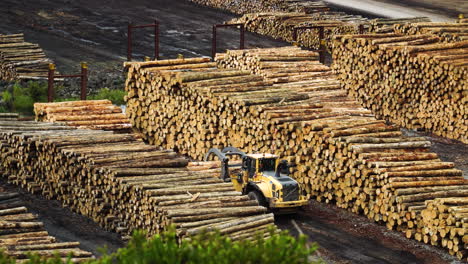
361,29
84,80
129,42
213,43
242,36
321,33
156,39
50,83
322,44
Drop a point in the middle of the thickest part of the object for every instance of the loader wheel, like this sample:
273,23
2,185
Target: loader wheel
256,195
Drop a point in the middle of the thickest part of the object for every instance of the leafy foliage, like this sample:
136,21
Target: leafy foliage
204,249
21,97
116,96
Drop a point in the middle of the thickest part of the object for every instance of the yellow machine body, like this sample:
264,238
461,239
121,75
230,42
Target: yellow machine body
268,184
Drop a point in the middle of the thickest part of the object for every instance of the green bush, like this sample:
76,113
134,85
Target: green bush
22,98
116,96
4,109
203,249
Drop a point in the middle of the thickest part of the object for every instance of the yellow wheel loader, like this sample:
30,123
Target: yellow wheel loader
262,177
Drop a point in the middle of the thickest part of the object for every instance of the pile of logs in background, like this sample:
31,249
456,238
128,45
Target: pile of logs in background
242,7
90,114
344,155
386,25
414,81
448,32
123,184
281,25
21,60
22,233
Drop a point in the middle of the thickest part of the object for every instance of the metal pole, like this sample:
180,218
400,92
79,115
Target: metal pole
129,42
156,39
242,36
321,33
84,79
213,43
50,84
322,45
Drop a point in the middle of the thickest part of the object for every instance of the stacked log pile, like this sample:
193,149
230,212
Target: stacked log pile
8,116
21,60
281,26
242,7
90,114
22,233
274,63
344,155
123,184
413,81
386,25
448,32
444,222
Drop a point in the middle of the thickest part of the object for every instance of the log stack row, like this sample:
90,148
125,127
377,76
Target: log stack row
8,116
413,81
444,222
448,32
22,233
90,114
123,184
344,155
281,26
243,7
21,60
386,25
274,63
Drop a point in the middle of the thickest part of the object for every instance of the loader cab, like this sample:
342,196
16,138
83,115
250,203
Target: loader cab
257,163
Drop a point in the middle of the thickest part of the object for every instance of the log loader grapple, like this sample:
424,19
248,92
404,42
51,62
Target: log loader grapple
262,177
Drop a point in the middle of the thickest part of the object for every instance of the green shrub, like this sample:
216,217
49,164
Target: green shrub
4,109
7,97
116,96
203,249
212,248
22,98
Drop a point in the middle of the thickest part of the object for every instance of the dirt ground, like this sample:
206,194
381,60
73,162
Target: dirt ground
96,31
345,237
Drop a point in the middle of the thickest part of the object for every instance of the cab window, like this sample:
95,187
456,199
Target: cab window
267,165
252,167
248,164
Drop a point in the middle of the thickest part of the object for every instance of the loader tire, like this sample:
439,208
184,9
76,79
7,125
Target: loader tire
256,195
